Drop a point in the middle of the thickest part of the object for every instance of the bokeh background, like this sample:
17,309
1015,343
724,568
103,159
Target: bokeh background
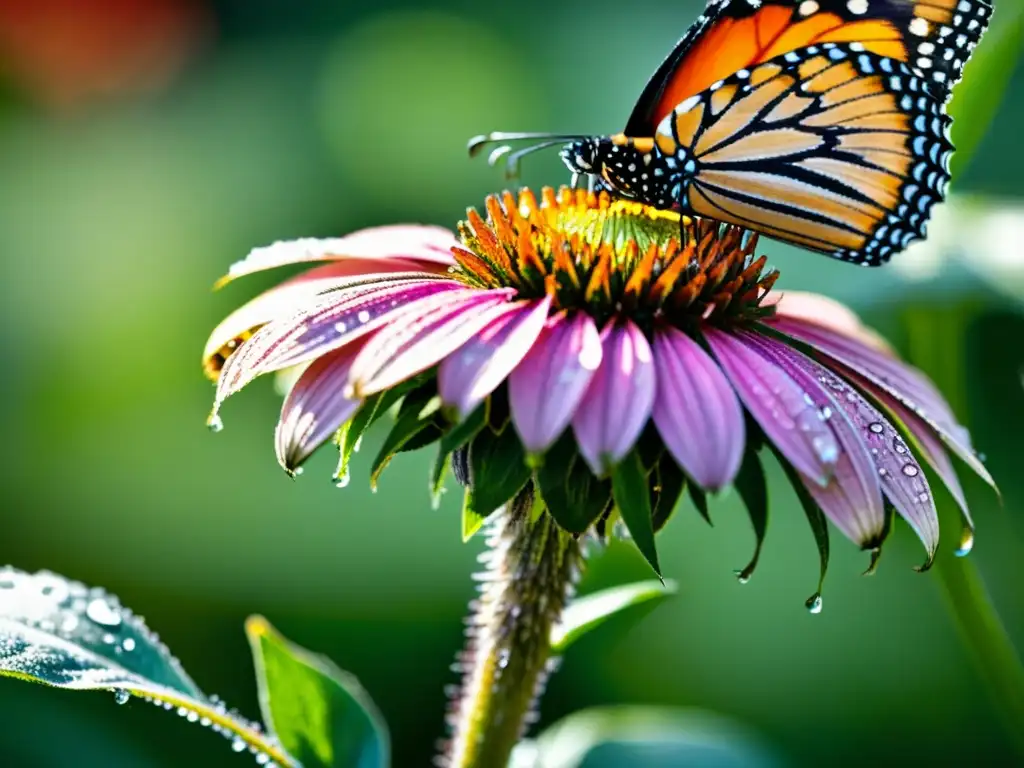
146,144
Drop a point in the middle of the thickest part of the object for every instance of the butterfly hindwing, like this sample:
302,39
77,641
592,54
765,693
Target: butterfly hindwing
934,37
832,147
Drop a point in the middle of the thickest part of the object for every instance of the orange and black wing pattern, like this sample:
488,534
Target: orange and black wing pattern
833,147
933,37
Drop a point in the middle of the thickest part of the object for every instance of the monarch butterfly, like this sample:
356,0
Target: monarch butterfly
817,122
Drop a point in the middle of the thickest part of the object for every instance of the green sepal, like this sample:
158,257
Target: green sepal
819,527
321,715
497,471
373,408
650,447
700,501
571,493
666,490
454,438
585,613
633,500
416,415
753,489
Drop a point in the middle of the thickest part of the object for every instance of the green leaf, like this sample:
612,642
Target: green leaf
456,437
61,633
987,75
819,527
585,613
627,736
632,497
497,470
321,715
571,493
753,489
670,482
415,416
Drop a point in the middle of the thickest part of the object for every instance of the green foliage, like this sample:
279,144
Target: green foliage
60,633
819,527
632,499
571,493
417,418
497,466
321,715
456,437
753,489
585,613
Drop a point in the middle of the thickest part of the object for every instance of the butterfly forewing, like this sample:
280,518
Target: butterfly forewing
934,37
833,148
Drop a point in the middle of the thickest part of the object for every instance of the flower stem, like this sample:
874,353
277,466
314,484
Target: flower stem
531,568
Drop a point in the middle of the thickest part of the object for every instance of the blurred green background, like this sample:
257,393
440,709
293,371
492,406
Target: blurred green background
146,144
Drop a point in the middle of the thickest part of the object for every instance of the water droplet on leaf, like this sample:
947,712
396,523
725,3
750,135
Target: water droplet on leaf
814,604
121,696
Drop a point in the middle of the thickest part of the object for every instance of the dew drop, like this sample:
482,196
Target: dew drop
238,744
342,480
876,427
128,644
883,471
743,577
102,612
966,542
108,638
121,696
814,604
341,326
363,316
214,423
911,470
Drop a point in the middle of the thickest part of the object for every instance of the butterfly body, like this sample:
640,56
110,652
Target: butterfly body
820,123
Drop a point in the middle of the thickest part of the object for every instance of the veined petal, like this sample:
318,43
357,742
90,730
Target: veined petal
418,243
853,498
829,313
618,402
338,319
696,411
899,380
780,405
468,375
315,407
423,339
546,387
903,481
296,293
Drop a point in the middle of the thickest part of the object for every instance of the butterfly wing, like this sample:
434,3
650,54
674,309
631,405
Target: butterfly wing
935,37
832,148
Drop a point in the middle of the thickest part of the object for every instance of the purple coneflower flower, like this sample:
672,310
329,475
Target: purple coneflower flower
599,357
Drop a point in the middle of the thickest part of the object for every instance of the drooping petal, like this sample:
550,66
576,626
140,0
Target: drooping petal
618,402
853,498
932,450
468,375
546,387
340,318
903,481
412,242
316,407
780,405
401,350
294,294
887,374
829,313
696,411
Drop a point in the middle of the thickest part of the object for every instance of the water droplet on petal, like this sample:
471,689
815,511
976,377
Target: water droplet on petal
876,427
214,423
814,604
121,696
363,316
966,542
238,744
102,612
911,470
128,644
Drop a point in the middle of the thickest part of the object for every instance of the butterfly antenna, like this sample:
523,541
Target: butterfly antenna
477,143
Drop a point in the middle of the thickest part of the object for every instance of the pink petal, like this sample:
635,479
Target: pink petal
292,295
853,498
336,320
421,340
903,481
424,244
471,373
829,313
316,407
546,387
696,411
780,405
899,380
618,402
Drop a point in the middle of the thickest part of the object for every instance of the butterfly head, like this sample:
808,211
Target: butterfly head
634,169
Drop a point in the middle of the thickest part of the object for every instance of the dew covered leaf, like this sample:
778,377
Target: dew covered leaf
320,714
63,634
585,613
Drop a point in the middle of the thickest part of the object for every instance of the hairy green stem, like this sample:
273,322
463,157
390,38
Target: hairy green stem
531,568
